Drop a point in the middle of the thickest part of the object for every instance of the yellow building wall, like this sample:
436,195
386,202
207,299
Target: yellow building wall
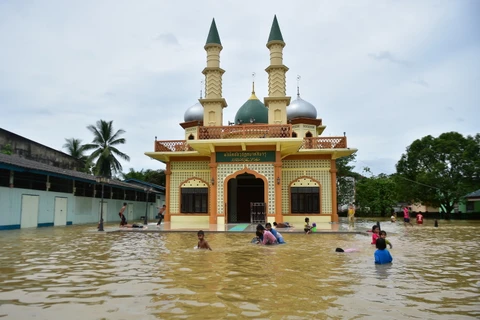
181,172
190,221
316,169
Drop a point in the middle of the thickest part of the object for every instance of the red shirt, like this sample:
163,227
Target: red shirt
419,218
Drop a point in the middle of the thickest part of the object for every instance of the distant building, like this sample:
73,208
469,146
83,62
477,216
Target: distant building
31,150
37,189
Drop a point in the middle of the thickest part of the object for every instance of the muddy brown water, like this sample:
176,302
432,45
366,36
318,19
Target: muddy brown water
77,273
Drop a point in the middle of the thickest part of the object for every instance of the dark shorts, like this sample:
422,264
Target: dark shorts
407,220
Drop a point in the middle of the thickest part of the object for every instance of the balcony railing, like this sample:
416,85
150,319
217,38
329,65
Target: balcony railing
308,143
172,146
245,132
324,143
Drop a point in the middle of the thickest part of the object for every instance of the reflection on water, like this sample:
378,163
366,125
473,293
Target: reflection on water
75,273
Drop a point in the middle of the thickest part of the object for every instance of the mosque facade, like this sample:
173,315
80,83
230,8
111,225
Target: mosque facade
271,164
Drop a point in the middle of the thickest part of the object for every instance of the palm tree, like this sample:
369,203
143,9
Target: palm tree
75,148
103,144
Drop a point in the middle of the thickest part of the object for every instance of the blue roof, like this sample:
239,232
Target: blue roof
475,194
147,184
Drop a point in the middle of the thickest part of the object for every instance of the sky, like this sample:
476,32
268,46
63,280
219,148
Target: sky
384,72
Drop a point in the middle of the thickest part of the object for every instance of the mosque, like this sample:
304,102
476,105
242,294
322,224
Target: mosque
271,164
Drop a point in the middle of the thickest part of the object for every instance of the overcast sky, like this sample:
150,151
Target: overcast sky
384,72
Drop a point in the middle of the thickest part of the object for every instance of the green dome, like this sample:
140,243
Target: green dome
253,108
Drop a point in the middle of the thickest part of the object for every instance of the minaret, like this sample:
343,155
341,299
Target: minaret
213,103
277,101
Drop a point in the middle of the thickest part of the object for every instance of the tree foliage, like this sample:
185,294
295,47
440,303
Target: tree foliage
75,149
440,171
377,193
104,146
7,149
151,176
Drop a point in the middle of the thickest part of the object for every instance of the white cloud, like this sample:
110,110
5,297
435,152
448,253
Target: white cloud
386,73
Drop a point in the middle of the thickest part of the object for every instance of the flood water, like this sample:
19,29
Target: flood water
76,273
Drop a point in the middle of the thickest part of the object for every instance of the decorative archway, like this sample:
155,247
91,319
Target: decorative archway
241,188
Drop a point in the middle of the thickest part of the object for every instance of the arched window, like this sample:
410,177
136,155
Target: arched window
294,134
305,196
194,196
308,134
191,137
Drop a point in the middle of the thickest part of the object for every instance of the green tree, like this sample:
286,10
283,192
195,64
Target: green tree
104,146
7,149
75,148
151,176
378,193
440,171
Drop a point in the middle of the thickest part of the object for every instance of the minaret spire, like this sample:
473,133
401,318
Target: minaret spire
213,103
277,101
253,96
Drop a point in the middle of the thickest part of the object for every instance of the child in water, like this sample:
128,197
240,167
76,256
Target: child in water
382,255
202,243
346,250
268,237
277,234
375,234
383,235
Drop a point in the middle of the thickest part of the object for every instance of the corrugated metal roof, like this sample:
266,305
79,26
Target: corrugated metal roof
475,194
15,163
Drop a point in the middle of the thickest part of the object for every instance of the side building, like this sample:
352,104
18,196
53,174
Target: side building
34,194
270,164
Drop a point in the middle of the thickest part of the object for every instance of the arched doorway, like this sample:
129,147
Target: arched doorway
242,190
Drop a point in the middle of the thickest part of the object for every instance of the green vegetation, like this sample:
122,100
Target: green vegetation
151,176
439,171
104,146
7,149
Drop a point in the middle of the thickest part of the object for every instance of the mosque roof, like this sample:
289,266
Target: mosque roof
213,36
300,108
194,113
253,109
275,33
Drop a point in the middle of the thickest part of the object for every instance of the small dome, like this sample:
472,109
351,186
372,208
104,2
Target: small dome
194,113
300,108
252,109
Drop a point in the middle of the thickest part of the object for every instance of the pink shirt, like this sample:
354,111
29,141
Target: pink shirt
406,213
375,236
268,238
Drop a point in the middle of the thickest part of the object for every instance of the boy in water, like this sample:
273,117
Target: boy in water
277,234
202,243
123,220
383,235
382,255
161,214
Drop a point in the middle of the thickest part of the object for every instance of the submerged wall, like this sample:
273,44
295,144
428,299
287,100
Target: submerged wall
20,208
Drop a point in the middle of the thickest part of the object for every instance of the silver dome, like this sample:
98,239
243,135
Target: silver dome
194,113
300,108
